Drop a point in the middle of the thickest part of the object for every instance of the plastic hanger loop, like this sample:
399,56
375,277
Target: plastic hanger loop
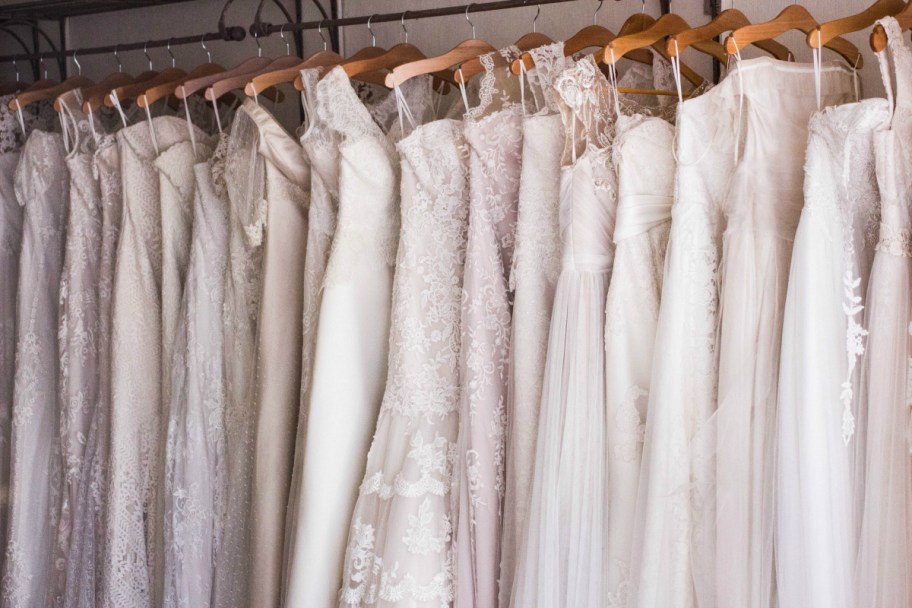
371,30
469,21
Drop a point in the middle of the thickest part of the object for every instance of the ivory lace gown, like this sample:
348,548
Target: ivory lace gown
244,184
643,156
885,546
562,561
78,329
763,207
42,188
87,545
822,342
493,131
195,458
533,278
400,549
11,217
134,565
352,339
283,212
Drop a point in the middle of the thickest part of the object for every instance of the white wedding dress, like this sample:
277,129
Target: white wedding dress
883,573
822,342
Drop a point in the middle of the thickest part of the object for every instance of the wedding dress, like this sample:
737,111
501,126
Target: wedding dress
400,550
533,279
195,467
87,547
134,565
352,338
883,576
244,185
278,349
493,133
12,136
562,560
643,154
78,329
42,188
763,206
822,340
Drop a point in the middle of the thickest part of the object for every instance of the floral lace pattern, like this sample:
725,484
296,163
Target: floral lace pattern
406,488
41,184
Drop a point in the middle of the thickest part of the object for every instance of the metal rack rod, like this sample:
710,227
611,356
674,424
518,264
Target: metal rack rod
237,33
410,15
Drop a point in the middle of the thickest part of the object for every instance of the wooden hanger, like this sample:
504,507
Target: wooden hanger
526,42
133,90
170,87
33,94
878,38
793,17
462,52
265,82
726,21
854,23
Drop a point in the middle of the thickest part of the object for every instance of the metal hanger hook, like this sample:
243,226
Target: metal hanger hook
42,66
16,67
320,31
643,7
76,61
173,59
256,38
535,20
597,9
117,58
205,48
282,36
402,23
371,30
469,21
146,53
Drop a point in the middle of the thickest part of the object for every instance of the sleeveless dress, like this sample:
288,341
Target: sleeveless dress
244,175
42,188
134,564
644,157
352,340
533,280
763,207
562,560
12,138
195,452
87,547
493,131
284,202
78,327
822,341
885,546
400,546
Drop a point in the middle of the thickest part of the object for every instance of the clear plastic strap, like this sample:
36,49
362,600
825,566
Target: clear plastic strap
740,69
91,116
20,117
856,84
256,95
151,126
189,124
676,70
218,119
613,80
403,109
116,101
65,130
462,91
817,55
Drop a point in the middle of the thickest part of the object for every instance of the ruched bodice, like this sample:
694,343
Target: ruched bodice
587,214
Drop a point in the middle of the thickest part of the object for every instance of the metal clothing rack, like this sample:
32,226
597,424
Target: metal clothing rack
260,29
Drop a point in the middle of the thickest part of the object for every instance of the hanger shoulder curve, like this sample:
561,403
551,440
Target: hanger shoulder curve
32,94
666,25
465,50
853,23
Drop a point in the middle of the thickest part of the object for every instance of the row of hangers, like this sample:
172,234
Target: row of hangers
640,35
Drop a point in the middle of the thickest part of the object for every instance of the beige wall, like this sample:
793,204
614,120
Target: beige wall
431,35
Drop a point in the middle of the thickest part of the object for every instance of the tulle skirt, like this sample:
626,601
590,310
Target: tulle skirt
562,562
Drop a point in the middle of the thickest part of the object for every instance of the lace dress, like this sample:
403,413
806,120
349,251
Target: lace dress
195,458
763,207
643,155
533,279
134,564
352,339
78,329
87,545
42,188
244,184
11,215
885,546
562,561
822,341
284,203
495,146
400,545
